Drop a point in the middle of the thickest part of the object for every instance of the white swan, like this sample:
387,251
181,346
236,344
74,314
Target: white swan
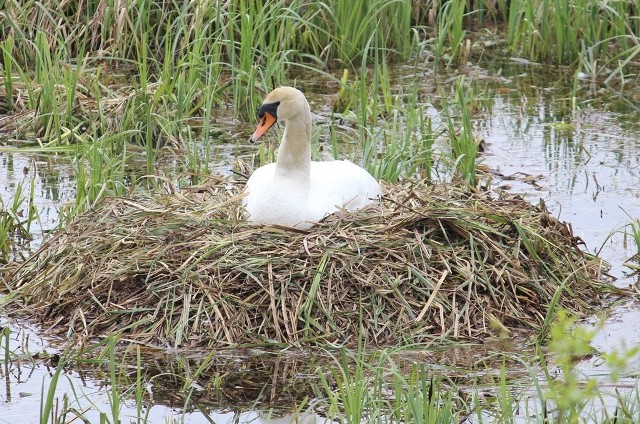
295,191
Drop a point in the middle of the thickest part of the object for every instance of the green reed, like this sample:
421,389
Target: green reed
378,387
387,384
188,60
244,47
357,25
7,61
100,172
47,396
631,233
17,217
463,143
350,400
450,32
405,142
545,30
257,50
634,231
9,223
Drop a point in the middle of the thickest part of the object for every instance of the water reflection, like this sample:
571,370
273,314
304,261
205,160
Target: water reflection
589,158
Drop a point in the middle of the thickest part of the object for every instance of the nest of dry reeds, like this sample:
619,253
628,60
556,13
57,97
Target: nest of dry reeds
182,269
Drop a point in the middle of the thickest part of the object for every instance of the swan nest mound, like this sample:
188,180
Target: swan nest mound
183,270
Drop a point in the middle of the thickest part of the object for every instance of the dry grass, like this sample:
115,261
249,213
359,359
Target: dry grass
182,270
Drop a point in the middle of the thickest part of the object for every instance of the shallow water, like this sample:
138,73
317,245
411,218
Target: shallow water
588,161
580,154
30,374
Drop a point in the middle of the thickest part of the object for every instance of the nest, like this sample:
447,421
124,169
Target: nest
182,269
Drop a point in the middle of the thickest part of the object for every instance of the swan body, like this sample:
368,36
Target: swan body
295,191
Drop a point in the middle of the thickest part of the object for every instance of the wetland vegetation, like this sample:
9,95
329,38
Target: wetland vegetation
141,99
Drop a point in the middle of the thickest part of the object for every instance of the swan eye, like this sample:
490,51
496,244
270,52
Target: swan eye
268,109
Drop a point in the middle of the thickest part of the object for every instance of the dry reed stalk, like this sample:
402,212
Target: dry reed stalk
183,270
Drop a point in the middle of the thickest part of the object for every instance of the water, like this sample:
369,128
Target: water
54,186
579,154
588,161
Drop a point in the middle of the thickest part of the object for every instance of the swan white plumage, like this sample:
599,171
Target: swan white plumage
295,191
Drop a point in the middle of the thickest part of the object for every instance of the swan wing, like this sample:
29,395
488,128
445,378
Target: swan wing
259,181
340,184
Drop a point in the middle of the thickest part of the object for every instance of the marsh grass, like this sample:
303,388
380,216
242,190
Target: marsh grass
353,391
421,383
632,235
361,25
449,33
401,146
387,386
119,385
157,74
244,48
464,146
560,32
423,398
16,220
632,232
99,172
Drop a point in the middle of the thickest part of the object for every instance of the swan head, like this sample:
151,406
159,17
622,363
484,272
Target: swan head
282,104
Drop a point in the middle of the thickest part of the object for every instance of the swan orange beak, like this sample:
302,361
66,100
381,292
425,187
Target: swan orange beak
266,122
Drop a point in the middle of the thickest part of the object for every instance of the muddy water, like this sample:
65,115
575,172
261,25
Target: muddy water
580,154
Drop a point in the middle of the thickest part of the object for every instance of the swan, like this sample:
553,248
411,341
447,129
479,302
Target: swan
294,191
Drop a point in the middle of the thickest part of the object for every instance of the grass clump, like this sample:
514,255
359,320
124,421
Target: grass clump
184,269
153,65
16,219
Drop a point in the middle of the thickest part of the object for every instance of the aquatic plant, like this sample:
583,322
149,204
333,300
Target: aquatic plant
241,47
463,143
99,172
632,231
545,30
16,219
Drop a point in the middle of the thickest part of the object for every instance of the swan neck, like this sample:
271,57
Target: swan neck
294,155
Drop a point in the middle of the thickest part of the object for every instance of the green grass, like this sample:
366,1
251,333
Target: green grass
354,27
48,397
463,143
544,30
402,147
99,172
380,386
449,32
632,232
631,235
16,219
155,76
181,61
